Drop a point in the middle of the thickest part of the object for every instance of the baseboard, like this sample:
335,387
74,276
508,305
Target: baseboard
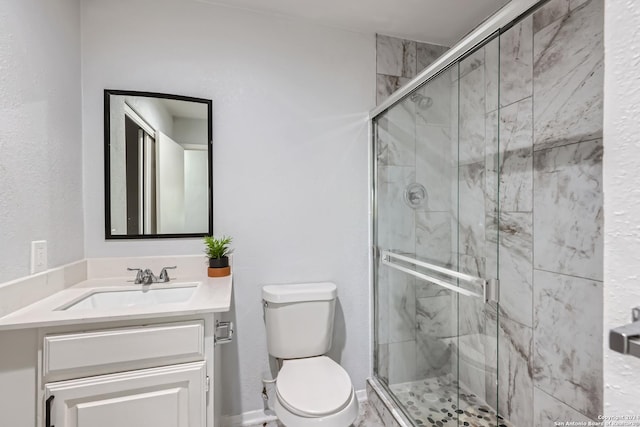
259,417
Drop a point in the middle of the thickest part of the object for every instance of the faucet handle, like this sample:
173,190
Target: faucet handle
164,276
139,274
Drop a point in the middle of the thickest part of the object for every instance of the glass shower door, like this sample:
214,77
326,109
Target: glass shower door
477,222
436,240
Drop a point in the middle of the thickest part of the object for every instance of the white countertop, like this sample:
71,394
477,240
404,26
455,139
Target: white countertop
211,295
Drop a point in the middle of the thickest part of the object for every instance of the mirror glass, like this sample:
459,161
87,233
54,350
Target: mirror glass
157,165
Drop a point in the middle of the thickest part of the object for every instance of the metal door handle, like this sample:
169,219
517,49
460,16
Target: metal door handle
622,340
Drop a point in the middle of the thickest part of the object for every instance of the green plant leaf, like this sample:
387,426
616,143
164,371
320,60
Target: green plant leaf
217,248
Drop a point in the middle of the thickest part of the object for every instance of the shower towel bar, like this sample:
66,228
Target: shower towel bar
489,287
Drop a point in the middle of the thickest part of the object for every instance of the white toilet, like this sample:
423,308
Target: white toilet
311,389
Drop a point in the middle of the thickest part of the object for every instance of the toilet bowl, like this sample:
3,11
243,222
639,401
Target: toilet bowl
311,389
315,391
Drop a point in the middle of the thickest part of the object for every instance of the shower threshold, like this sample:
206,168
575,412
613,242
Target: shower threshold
434,402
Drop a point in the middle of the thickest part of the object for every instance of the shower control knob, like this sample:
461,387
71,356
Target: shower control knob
415,196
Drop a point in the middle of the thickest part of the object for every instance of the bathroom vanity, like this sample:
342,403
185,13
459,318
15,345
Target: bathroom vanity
111,353
144,373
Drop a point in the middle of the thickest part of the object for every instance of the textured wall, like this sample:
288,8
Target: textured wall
290,154
40,133
622,201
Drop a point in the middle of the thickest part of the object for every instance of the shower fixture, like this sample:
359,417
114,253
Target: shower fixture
423,102
415,196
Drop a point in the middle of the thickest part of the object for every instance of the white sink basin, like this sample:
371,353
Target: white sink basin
123,298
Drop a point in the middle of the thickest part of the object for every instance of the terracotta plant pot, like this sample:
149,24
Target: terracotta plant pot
219,272
219,267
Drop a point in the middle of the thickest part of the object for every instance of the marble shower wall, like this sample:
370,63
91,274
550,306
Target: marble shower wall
525,113
550,221
399,60
435,132
410,326
543,117
473,221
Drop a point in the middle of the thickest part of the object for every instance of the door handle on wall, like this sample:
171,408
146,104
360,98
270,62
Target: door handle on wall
623,339
47,414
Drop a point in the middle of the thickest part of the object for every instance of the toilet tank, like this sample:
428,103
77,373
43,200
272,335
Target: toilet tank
299,319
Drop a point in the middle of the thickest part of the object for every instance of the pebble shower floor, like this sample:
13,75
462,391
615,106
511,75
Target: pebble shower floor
434,402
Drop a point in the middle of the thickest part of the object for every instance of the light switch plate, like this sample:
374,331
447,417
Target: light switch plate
38,256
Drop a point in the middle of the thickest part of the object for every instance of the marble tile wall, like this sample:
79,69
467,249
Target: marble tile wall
567,76
399,60
509,132
567,350
413,146
396,295
550,221
472,224
435,160
568,179
530,141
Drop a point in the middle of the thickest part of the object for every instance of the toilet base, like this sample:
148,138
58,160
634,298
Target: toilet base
344,418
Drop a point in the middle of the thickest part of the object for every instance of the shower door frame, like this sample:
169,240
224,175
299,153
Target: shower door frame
498,23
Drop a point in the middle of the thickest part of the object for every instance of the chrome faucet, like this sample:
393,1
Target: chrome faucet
164,276
146,276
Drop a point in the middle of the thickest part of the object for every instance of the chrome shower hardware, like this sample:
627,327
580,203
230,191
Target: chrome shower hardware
423,102
626,339
415,196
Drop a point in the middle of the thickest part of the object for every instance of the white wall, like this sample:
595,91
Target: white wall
190,131
196,194
290,154
170,185
118,165
154,113
621,197
40,133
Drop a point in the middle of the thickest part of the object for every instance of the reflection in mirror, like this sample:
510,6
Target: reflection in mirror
157,165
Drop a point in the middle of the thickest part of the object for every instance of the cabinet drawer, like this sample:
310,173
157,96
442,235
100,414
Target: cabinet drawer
115,350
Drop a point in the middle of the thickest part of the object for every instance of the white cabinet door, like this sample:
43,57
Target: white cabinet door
171,396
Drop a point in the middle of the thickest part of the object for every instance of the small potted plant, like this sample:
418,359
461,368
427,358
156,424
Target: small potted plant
217,251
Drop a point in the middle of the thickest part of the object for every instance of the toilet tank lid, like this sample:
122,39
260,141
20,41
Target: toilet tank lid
323,291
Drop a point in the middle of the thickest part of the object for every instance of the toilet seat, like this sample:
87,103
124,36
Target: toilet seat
343,418
313,387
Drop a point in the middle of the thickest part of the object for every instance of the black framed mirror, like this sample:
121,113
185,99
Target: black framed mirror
158,163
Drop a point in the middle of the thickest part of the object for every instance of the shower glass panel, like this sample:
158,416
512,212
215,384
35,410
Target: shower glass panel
436,234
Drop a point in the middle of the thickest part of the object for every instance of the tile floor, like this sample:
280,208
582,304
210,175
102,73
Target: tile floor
434,402
368,417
